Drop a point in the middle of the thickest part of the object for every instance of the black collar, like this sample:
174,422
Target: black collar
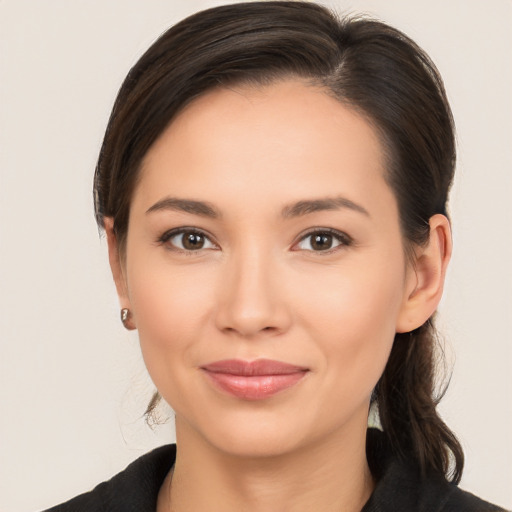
400,488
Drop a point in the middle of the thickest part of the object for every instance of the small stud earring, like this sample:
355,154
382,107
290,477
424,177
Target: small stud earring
125,318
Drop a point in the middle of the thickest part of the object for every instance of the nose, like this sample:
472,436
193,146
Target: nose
252,299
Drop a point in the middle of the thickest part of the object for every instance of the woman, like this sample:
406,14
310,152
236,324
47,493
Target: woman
273,186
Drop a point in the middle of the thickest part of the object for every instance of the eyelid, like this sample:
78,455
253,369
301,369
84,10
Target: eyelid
167,235
344,239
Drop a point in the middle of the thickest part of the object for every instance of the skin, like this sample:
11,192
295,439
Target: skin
258,288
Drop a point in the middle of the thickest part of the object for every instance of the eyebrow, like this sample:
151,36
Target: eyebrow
316,205
298,209
201,208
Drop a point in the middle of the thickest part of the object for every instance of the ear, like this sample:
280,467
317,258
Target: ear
118,273
426,275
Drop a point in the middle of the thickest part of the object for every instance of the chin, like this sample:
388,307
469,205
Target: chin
253,433
257,443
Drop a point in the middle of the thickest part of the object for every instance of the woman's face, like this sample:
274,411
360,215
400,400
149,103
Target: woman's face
262,229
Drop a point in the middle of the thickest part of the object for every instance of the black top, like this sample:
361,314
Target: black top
399,487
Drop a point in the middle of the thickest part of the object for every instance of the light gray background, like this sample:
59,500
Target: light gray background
72,385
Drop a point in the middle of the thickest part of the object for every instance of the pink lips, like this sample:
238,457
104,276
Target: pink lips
255,380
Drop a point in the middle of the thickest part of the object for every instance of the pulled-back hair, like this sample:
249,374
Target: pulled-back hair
363,63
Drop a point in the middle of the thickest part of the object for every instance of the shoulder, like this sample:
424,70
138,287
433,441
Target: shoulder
401,488
134,489
462,501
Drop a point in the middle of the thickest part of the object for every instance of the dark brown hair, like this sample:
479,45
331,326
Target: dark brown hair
365,64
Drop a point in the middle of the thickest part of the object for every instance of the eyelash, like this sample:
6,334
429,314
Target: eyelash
343,239
168,235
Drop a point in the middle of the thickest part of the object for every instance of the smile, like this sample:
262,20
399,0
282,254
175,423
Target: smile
255,380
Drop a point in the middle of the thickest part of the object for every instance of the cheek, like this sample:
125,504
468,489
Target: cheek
355,298
171,308
354,316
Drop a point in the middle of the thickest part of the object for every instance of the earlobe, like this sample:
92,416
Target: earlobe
116,266
424,287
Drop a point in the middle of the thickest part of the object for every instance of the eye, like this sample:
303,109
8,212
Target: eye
324,240
187,240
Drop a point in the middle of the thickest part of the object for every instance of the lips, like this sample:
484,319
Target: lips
253,380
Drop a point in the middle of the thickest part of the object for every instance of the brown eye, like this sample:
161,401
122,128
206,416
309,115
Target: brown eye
192,241
187,240
323,241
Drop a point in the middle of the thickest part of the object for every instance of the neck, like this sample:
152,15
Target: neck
331,475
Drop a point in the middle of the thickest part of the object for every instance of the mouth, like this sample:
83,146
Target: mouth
253,380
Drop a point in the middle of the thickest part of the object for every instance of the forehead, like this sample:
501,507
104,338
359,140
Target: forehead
277,142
